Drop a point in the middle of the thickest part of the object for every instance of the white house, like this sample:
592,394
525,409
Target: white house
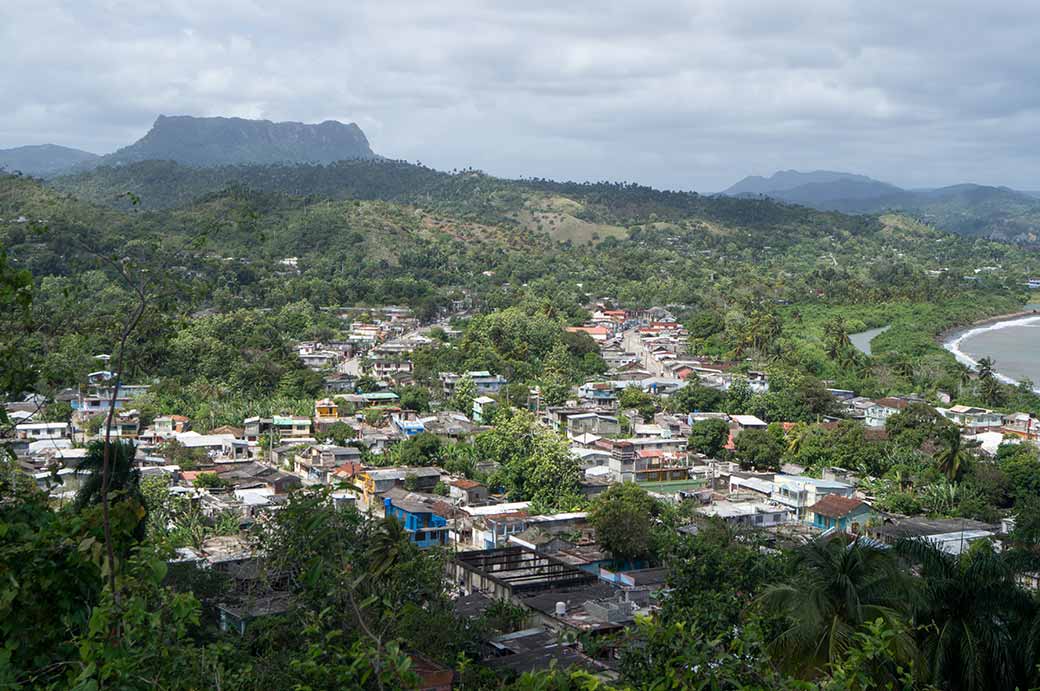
798,492
972,419
42,430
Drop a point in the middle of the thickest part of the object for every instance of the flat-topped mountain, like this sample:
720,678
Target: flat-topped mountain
204,142
43,160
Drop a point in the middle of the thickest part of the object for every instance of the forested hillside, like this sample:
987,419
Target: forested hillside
378,232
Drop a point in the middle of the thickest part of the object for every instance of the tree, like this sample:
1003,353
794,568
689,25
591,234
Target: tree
695,397
634,397
623,519
415,398
916,425
837,586
989,386
708,437
464,394
209,481
738,396
836,333
423,449
124,476
966,611
955,454
760,449
338,433
534,464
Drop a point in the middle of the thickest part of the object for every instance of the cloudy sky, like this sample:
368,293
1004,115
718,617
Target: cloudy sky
673,93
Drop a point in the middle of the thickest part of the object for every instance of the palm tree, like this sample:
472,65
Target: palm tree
837,332
840,585
124,477
986,367
954,454
388,544
967,610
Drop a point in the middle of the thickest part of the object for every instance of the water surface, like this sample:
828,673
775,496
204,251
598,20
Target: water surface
862,339
1014,346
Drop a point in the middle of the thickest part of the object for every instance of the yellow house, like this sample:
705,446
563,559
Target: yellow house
326,408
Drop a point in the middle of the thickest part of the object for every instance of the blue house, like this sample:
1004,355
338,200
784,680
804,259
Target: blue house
409,428
844,513
423,521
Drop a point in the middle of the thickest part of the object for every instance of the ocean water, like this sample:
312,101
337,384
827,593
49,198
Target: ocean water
1013,345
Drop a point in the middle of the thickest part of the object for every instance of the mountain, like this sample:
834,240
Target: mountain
43,160
202,142
814,189
997,213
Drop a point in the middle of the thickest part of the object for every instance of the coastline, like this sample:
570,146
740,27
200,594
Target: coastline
955,332
951,338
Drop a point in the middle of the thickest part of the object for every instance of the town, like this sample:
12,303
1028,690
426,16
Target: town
377,442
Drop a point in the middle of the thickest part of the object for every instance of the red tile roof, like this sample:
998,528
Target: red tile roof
465,484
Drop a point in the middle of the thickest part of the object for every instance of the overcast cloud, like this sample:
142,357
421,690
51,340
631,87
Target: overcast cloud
690,95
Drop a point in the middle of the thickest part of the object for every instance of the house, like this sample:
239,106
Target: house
483,409
98,398
451,425
846,514
629,463
486,382
883,408
495,529
237,616
317,358
223,445
952,535
857,407
317,462
279,427
381,480
426,523
291,426
739,423
1022,425
126,425
409,427
799,492
972,419
42,430
326,409
380,398
596,333
467,492
592,423
598,393
746,514
167,425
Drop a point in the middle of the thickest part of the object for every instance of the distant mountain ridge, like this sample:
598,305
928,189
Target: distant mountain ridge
785,180
43,160
203,142
999,213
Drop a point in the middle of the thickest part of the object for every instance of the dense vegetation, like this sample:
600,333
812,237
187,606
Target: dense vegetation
91,602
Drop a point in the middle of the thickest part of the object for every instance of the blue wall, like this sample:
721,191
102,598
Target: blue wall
419,524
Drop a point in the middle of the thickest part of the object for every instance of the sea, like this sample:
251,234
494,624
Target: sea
1013,345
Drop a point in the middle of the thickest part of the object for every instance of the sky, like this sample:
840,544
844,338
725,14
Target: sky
674,94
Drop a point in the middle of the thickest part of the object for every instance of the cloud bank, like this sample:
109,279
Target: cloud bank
682,95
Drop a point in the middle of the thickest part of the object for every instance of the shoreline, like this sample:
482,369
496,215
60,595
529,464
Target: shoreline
951,339
953,333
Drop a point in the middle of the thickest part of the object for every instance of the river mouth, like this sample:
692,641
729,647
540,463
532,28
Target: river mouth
1013,343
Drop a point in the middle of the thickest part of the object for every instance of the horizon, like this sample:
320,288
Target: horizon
521,177
684,97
